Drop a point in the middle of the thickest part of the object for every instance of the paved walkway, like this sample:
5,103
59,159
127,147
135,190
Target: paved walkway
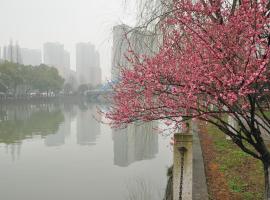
199,187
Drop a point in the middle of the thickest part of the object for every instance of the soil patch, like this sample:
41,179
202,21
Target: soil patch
231,174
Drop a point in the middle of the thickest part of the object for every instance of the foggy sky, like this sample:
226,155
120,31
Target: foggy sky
34,22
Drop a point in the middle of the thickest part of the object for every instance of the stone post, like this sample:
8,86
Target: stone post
183,144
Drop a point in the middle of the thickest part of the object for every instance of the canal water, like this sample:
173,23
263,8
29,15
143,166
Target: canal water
61,151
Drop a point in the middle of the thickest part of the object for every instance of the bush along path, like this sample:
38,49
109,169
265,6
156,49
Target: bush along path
231,173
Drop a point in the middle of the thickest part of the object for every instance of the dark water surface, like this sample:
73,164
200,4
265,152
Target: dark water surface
61,152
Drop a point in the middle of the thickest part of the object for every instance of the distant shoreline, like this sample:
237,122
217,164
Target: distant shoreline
74,98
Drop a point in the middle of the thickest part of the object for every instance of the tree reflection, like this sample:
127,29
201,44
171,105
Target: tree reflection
14,129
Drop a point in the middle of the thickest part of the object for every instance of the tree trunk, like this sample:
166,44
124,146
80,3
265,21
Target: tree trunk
266,180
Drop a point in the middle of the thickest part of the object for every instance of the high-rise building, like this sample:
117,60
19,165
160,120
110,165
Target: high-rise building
119,48
56,56
125,39
12,53
67,69
95,70
1,57
4,53
53,54
87,64
31,56
67,59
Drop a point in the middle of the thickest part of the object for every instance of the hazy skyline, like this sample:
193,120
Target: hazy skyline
34,22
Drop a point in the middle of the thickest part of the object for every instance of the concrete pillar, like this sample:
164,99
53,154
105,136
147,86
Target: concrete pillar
183,141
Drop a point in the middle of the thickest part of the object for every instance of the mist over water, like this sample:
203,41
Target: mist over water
54,54
60,151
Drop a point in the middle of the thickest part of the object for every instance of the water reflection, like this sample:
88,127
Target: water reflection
14,150
64,130
21,122
142,189
135,143
51,121
88,126
27,121
48,140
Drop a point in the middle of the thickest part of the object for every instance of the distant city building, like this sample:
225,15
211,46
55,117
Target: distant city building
119,48
67,59
53,54
95,70
72,79
4,53
31,56
141,42
67,69
56,56
12,53
1,57
87,64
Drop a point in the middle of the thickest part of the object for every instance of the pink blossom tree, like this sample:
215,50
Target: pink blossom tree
213,63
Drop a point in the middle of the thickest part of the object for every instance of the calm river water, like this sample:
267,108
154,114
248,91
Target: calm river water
61,152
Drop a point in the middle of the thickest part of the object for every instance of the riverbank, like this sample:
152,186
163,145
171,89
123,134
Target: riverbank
199,186
34,100
231,174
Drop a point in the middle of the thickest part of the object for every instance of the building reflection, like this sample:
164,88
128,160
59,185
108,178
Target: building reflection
59,137
135,143
64,130
88,125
